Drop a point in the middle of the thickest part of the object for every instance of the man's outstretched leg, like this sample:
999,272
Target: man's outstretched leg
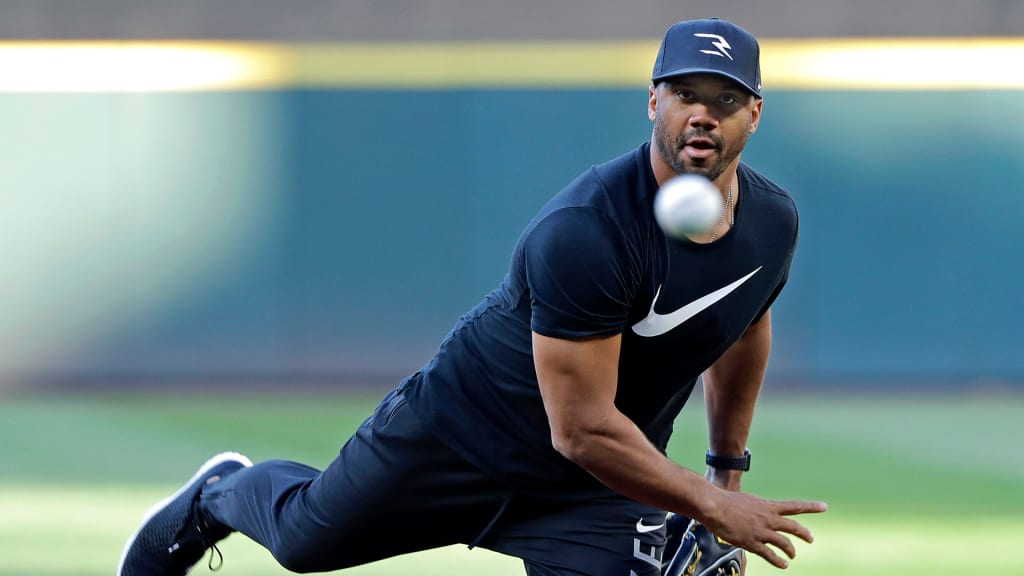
175,534
394,488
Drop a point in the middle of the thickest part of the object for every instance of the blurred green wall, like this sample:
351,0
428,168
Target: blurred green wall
337,234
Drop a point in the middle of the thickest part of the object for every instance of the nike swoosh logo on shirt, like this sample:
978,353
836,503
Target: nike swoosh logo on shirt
644,528
657,324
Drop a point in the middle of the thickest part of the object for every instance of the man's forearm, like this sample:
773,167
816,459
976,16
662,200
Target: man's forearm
622,458
731,389
578,381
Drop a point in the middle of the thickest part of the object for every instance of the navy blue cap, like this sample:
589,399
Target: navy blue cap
710,46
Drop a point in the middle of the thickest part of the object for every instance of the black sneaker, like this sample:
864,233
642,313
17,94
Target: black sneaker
173,536
701,553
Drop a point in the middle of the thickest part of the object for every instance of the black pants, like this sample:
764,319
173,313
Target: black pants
394,488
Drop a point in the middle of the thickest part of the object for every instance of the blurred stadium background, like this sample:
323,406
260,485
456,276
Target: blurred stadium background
233,224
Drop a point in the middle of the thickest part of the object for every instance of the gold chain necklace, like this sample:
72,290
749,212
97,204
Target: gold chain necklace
726,210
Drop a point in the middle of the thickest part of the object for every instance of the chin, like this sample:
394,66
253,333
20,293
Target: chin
700,170
694,165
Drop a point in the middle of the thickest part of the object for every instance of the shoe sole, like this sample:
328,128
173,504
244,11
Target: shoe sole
156,508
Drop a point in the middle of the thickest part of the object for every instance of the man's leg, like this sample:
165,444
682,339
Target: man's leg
173,535
610,536
392,489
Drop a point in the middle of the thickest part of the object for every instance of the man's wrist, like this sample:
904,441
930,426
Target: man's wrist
730,480
724,462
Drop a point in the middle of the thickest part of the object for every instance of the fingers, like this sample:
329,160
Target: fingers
778,541
782,543
795,528
768,554
776,536
792,507
766,527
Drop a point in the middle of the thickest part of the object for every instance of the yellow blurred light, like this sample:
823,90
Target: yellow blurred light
787,64
894,64
135,66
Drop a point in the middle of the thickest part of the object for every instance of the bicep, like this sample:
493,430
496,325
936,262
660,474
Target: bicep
577,267
578,380
759,334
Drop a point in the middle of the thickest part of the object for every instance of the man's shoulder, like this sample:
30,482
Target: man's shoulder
767,192
630,169
756,180
617,188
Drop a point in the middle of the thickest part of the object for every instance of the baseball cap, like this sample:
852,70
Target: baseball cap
710,46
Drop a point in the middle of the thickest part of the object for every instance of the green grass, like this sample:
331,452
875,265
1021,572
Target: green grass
917,485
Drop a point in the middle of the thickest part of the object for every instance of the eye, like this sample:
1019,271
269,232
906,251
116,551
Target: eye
684,94
728,99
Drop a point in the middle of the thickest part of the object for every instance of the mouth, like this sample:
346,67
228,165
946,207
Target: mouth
700,148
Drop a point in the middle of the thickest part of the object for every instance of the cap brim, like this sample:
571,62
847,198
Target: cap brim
688,71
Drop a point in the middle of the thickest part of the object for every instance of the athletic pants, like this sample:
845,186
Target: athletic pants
395,488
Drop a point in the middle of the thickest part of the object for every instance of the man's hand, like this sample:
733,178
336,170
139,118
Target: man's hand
752,523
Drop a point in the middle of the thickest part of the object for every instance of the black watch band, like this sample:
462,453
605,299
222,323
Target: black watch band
728,462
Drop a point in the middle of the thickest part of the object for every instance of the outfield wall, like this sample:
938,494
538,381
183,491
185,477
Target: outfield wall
336,234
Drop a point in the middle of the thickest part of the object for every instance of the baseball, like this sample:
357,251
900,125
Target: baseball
687,205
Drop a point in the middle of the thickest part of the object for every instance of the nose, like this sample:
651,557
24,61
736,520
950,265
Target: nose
703,116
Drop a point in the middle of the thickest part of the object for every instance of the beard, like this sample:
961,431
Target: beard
671,150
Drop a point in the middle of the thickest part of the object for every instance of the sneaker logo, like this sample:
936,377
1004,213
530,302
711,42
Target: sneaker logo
645,528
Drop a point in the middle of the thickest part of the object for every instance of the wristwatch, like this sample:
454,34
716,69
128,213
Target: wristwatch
728,462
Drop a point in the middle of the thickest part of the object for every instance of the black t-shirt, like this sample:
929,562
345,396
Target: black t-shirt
595,262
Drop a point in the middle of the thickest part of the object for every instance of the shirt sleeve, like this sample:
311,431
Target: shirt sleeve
785,276
768,304
577,271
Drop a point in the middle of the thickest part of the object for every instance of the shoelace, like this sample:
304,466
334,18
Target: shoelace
200,528
220,558
206,545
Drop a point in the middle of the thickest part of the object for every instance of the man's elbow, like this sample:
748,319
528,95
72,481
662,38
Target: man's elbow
575,443
565,444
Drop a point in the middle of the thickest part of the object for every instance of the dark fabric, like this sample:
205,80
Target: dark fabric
594,262
596,537
395,489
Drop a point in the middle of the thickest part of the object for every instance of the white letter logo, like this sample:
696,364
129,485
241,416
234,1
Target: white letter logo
721,44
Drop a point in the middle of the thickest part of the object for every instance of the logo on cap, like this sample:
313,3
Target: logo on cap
720,43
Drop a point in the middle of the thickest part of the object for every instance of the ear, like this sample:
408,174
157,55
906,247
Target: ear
755,115
652,103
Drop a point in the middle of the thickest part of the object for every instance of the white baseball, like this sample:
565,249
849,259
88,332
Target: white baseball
687,205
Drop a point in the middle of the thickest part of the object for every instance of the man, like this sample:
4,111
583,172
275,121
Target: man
539,428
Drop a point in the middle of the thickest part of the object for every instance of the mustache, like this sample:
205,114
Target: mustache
701,134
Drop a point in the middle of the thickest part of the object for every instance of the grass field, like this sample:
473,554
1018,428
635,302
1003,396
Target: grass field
918,485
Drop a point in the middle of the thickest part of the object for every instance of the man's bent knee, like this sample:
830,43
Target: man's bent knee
308,555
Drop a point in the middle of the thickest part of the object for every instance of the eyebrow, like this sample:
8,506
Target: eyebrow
722,85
